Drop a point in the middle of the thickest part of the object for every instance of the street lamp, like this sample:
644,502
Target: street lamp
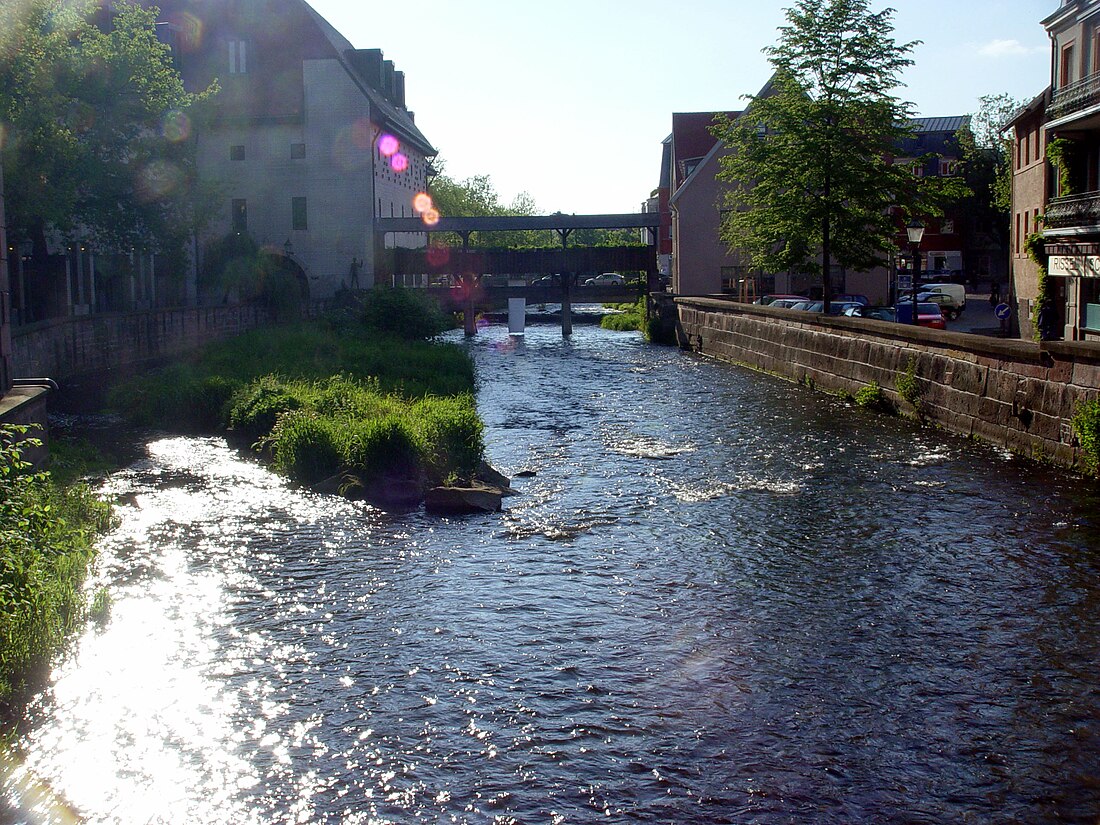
915,231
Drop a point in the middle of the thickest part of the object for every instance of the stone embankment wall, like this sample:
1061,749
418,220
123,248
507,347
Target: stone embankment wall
68,347
1016,394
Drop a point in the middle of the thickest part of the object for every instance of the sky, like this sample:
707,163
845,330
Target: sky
569,101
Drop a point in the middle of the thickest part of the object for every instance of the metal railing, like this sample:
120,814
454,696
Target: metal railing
1076,96
1073,210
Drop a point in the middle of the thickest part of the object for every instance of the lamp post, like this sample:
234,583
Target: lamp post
915,231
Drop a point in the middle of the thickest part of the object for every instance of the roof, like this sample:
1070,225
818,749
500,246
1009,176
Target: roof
393,117
1035,104
940,124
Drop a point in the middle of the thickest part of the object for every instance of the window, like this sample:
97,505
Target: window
236,152
297,151
240,215
1027,148
947,227
948,168
298,213
1017,233
238,57
1066,75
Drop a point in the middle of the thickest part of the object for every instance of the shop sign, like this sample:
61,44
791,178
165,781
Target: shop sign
1074,266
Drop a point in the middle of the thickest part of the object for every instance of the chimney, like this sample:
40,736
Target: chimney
368,62
399,89
387,79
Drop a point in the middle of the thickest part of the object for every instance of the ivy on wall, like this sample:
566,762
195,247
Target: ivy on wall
1062,154
1036,250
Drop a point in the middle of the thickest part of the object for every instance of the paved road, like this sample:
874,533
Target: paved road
977,318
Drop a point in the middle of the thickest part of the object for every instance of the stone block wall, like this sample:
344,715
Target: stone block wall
68,347
1015,394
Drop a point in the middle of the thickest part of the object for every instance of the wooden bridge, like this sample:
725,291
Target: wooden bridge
466,267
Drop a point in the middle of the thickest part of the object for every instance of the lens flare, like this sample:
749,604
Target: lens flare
188,30
430,217
399,162
422,202
176,126
388,145
157,180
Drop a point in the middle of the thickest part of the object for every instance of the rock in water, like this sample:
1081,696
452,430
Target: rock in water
472,498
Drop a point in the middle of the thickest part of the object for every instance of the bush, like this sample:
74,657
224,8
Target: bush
629,318
381,446
1086,426
257,408
402,313
452,435
307,447
873,397
46,535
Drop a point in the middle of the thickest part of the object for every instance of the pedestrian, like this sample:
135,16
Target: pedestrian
1045,321
994,294
353,272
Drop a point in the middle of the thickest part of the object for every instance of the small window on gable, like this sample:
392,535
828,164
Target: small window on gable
236,152
238,57
948,168
917,168
297,151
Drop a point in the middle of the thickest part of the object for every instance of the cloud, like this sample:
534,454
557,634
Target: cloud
1008,48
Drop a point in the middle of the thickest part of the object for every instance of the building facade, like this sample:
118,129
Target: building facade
1057,177
306,142
703,265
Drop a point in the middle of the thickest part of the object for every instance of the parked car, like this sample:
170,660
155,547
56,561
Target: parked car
606,279
766,300
786,303
545,281
807,305
952,297
839,307
850,297
928,314
877,313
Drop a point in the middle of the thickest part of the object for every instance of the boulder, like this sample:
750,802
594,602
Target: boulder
470,498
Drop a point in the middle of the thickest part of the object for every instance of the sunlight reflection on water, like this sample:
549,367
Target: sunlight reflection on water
717,600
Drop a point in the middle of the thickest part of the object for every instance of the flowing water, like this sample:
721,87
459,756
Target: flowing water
720,598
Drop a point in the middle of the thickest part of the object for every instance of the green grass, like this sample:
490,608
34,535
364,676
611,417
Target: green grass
630,317
361,392
46,544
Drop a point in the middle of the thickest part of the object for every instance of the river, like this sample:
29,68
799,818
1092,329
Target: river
721,598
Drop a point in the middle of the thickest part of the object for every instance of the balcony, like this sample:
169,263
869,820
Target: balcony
1075,97
1073,211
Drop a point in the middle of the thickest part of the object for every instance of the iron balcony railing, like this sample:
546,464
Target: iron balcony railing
1075,97
1073,210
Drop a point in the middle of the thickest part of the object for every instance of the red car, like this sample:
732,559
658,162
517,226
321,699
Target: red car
928,315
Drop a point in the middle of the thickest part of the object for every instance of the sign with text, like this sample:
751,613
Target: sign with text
1074,266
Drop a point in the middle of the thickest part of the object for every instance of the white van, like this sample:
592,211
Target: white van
956,291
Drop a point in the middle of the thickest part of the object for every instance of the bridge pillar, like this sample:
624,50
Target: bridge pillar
468,280
566,284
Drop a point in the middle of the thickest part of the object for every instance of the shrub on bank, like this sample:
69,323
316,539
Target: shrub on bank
46,534
630,317
344,426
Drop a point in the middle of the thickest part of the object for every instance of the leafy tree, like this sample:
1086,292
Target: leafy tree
477,197
986,151
95,121
811,169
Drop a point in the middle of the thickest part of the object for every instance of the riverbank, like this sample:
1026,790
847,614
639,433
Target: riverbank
1020,395
47,529
360,402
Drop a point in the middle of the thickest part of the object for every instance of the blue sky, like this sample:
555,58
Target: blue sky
570,100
